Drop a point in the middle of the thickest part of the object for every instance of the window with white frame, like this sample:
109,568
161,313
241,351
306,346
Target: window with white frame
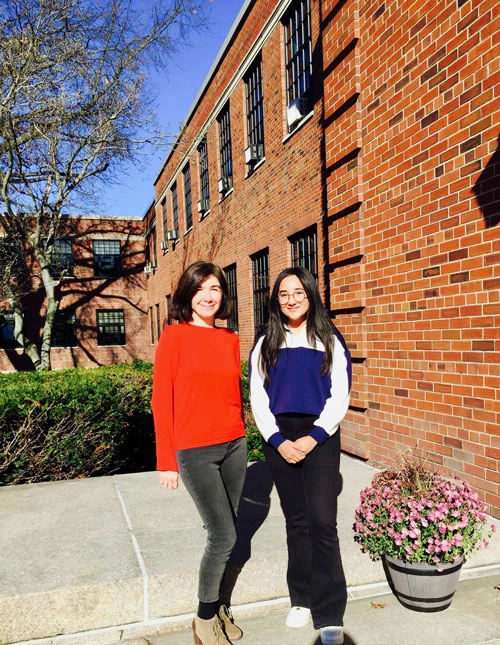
204,202
188,206
107,258
110,327
298,61
226,159
304,247
255,114
260,282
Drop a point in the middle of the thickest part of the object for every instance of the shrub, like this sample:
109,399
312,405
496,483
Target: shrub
75,423
254,438
84,422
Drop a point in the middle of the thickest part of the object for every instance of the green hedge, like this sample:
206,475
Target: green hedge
82,423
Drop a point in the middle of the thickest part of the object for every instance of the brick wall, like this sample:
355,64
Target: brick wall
417,237
399,168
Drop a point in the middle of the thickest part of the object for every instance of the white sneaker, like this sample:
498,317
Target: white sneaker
298,617
332,635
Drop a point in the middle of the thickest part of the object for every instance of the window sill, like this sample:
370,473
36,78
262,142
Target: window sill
188,231
251,171
116,345
226,195
300,124
204,215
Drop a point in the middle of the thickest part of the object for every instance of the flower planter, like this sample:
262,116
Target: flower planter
420,586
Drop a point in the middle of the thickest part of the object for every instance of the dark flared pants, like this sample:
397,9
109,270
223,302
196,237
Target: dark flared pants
214,477
308,493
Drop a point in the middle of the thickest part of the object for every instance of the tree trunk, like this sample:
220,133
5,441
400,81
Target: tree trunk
30,349
52,306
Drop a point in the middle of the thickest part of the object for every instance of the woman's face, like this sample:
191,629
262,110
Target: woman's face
293,302
206,302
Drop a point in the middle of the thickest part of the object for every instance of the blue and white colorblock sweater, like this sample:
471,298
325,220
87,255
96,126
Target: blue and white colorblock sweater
296,385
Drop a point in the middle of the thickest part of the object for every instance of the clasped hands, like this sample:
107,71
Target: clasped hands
295,451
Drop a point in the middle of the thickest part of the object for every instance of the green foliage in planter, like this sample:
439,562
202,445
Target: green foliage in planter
75,423
84,422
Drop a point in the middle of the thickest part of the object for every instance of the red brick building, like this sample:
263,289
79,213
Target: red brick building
359,140
102,317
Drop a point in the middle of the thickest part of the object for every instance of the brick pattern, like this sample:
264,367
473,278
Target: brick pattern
430,81
399,168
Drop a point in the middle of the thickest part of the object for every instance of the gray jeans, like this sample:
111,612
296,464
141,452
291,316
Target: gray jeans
214,477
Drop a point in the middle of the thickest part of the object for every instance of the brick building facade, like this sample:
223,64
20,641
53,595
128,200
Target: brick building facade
102,317
360,140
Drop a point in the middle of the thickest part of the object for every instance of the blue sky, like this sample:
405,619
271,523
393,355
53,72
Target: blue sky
176,89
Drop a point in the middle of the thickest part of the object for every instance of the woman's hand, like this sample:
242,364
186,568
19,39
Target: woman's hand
291,452
169,479
306,443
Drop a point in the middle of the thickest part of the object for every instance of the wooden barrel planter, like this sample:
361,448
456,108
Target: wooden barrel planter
422,587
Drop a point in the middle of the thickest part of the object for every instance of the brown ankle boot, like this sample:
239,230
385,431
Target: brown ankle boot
209,632
233,632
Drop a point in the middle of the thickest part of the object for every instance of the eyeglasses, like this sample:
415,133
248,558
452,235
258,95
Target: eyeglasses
299,295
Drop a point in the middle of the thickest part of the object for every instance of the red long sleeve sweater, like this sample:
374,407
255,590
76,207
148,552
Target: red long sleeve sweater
196,390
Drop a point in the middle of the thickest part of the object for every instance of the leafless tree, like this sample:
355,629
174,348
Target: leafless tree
76,105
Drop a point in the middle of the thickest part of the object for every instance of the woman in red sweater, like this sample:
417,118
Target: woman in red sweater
199,428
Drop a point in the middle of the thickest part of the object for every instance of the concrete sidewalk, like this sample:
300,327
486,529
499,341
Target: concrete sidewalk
114,559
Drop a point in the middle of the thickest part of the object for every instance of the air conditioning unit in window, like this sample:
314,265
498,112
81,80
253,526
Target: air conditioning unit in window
224,184
148,269
297,110
164,245
254,153
173,235
203,205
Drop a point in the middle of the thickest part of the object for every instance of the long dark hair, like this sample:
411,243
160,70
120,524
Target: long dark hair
319,324
188,284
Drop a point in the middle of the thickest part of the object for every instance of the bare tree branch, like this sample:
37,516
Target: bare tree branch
75,108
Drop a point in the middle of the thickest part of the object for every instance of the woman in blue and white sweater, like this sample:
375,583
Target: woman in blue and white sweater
300,379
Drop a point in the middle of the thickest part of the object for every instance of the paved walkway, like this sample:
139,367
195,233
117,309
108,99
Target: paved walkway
114,559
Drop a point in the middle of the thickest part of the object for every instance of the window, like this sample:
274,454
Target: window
7,340
164,217
151,326
168,305
158,321
230,272
226,160
110,327
255,114
11,258
260,280
188,208
204,203
107,258
64,330
298,61
61,261
175,209
151,248
305,250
